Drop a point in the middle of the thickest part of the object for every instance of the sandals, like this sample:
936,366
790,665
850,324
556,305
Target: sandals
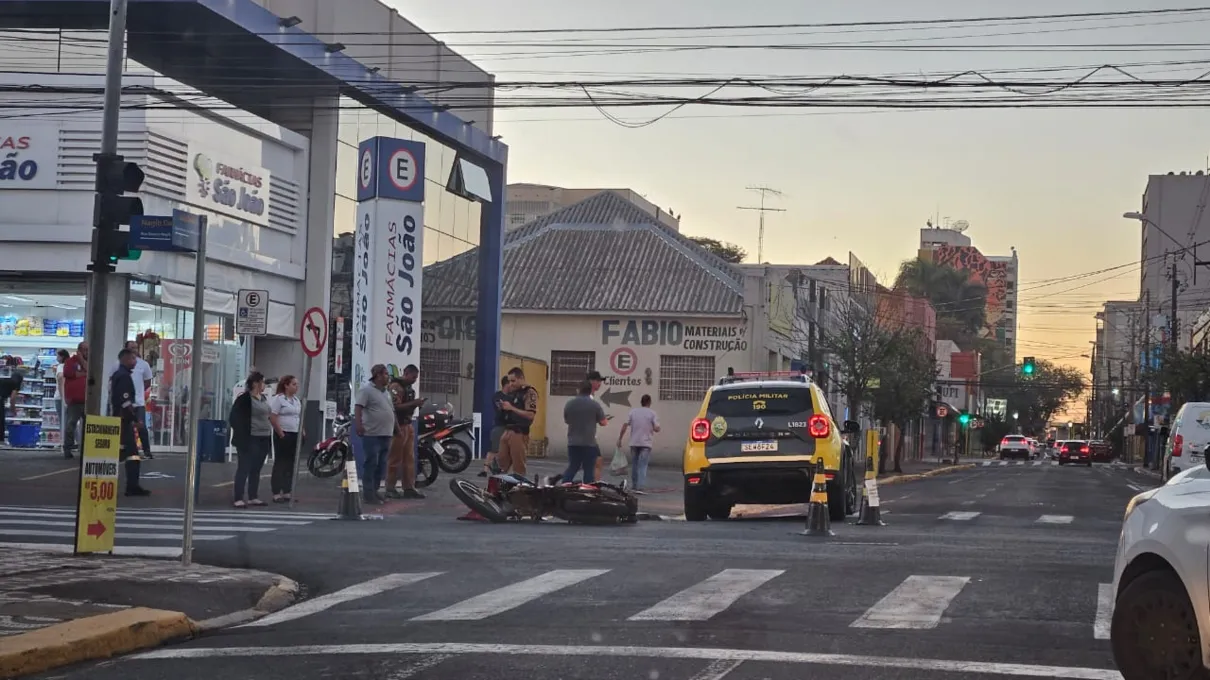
240,505
257,503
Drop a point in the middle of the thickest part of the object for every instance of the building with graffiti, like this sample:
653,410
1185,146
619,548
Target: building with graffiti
998,274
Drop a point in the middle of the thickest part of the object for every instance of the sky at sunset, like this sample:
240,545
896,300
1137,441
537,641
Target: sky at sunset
1052,183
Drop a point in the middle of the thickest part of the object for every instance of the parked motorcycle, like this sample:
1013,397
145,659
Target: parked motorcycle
438,433
329,456
510,496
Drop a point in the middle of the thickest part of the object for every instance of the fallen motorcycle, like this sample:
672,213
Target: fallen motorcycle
510,496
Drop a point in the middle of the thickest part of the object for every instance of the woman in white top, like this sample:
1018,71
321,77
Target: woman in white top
286,417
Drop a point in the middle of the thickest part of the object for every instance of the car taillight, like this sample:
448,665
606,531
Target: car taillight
700,431
1178,443
1083,449
819,427
1066,450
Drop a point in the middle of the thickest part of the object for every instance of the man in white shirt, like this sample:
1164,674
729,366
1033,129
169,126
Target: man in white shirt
142,375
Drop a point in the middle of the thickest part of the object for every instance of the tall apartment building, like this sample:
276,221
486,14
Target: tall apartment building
527,202
999,274
1174,220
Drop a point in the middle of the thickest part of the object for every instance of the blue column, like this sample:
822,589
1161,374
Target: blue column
491,288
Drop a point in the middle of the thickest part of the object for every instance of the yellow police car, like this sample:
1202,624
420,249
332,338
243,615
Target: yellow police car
756,440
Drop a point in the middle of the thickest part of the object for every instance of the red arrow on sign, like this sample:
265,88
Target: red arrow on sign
96,529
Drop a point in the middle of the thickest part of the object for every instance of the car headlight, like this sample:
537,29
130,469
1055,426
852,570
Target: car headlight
1138,500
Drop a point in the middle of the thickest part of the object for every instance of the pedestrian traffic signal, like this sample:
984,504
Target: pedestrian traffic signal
1027,366
964,418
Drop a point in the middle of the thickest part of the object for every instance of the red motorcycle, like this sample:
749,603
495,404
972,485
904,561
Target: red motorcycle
328,458
514,497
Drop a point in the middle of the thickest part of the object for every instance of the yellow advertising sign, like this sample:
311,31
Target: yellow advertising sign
97,507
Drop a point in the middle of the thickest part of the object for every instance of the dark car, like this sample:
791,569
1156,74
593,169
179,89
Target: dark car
1075,451
1102,452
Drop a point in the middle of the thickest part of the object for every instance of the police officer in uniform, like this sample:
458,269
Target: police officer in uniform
122,401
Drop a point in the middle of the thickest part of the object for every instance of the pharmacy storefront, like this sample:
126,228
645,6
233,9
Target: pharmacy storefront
246,176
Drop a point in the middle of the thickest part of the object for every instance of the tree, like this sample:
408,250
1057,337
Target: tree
728,252
1036,399
959,300
859,345
905,385
1184,375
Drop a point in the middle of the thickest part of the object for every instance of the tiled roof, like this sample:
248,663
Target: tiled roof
601,254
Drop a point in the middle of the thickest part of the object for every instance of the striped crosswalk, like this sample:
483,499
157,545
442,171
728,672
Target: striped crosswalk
914,605
152,532
1047,462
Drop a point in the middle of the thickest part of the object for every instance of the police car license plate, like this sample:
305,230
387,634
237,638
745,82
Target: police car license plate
749,447
438,448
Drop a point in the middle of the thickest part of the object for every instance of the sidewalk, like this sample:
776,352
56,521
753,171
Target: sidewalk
57,610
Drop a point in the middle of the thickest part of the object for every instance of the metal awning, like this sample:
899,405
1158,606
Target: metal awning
238,51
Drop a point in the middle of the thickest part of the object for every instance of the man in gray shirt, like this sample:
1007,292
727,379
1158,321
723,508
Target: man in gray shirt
374,416
582,414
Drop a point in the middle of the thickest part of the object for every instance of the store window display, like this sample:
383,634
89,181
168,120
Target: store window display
33,328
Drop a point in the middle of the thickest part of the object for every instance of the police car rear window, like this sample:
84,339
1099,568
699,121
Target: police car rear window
757,401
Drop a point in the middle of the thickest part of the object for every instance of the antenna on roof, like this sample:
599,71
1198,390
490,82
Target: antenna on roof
760,239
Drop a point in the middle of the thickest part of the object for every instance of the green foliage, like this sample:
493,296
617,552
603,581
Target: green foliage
905,378
728,252
1186,376
1037,398
960,302
994,429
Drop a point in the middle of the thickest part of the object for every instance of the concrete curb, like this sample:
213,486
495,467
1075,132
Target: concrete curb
899,479
280,595
92,637
1147,473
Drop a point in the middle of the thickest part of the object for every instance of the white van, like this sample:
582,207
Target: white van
1187,438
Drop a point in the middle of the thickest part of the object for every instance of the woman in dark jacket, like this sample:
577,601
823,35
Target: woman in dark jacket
8,386
252,436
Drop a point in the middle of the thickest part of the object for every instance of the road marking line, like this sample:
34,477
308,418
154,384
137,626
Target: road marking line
355,592
156,514
74,468
718,669
960,516
1055,519
987,463
703,600
128,525
1135,487
119,550
1037,463
120,532
915,604
1100,626
1003,463
422,664
510,597
167,521
705,654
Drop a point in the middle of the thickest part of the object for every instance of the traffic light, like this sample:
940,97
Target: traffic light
116,177
964,418
112,209
1027,366
110,246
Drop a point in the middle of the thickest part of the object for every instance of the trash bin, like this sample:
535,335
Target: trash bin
212,437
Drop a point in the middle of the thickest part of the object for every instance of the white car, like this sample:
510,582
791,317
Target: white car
1014,446
1161,619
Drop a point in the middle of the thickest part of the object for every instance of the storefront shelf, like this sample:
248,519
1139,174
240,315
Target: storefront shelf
37,341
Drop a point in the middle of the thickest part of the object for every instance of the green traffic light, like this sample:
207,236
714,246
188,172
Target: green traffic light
964,418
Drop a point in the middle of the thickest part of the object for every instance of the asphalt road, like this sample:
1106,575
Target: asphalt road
989,573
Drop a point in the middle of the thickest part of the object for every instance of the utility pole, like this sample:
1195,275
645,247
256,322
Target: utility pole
110,210
760,240
1172,315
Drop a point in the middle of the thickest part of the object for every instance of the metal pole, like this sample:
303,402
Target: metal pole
1172,319
98,289
298,448
195,392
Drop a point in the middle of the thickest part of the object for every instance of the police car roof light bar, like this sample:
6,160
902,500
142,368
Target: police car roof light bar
733,376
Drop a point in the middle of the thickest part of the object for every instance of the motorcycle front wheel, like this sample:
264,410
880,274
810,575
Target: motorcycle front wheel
428,469
455,456
477,499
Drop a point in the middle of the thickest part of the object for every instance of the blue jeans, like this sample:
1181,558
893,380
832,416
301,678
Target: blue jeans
582,457
639,457
375,451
